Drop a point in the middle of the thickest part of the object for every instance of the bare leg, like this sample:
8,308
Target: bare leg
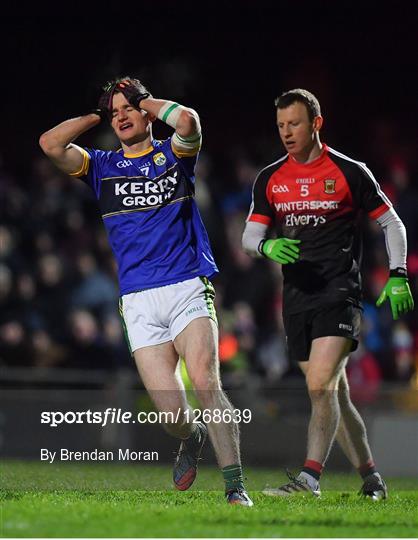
332,413
351,434
326,361
198,345
352,437
157,368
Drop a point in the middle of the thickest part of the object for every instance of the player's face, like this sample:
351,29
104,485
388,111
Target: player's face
296,131
130,125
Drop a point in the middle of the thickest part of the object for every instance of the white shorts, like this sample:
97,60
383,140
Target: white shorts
158,315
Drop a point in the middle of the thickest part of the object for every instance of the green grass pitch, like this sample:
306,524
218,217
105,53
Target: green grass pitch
69,500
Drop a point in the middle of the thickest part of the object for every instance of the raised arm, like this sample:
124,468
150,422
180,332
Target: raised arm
187,138
57,142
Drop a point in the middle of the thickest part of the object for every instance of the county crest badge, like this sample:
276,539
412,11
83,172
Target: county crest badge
159,159
329,186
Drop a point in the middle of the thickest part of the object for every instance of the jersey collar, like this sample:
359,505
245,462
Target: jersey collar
142,152
314,161
139,154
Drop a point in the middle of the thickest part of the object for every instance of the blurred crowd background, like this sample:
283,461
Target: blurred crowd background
58,289
59,293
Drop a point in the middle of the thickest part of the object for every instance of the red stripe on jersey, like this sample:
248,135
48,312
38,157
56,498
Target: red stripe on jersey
265,220
374,214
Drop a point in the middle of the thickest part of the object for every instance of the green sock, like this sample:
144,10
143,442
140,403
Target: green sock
233,477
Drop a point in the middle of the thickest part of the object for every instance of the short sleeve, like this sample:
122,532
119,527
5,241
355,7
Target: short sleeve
187,160
94,172
85,165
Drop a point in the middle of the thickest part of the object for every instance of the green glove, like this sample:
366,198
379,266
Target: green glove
281,250
398,291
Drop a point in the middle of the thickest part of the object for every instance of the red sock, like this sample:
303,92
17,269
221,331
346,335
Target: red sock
367,468
314,468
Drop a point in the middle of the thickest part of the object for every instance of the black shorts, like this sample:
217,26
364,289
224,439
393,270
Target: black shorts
337,320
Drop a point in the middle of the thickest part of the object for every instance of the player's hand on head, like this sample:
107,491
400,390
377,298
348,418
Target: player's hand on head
398,292
282,250
103,113
105,100
104,104
134,91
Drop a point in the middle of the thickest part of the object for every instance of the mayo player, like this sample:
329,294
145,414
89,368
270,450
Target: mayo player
145,193
313,197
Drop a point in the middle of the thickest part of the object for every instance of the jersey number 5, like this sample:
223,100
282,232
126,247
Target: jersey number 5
304,191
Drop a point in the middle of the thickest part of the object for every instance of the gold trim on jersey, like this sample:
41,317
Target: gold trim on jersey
85,166
147,208
139,154
185,153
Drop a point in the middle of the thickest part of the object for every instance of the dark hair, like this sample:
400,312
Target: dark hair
301,96
110,86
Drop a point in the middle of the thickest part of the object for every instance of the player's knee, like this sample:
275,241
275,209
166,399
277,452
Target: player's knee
319,387
317,394
319,382
205,377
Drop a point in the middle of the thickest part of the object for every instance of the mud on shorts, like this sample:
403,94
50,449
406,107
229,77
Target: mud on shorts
158,315
341,319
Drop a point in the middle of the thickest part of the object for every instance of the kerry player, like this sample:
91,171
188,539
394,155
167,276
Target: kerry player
313,196
145,192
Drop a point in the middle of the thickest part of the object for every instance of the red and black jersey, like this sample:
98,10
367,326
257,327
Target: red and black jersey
319,203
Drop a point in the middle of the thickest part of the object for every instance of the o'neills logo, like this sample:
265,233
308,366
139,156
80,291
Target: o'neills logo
329,186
